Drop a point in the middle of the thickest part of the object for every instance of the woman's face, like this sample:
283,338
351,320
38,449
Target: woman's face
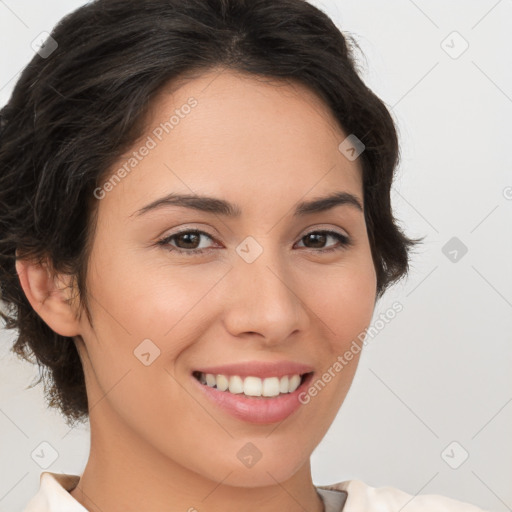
260,292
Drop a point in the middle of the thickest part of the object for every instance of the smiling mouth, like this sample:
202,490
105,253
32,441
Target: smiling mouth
252,387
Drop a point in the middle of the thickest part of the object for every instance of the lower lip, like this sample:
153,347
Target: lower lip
256,410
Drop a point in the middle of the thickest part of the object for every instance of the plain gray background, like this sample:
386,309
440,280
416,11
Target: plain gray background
434,385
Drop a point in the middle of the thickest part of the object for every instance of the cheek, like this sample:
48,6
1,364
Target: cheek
136,337
343,299
148,294
147,316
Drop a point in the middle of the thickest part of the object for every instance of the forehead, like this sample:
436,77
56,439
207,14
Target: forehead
237,136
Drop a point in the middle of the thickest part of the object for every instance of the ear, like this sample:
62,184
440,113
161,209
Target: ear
50,295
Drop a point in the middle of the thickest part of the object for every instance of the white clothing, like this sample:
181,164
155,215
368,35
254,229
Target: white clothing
348,496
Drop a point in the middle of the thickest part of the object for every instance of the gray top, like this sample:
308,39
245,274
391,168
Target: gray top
334,501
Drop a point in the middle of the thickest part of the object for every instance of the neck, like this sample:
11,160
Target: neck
126,473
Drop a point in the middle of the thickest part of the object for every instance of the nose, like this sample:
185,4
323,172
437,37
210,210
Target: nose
264,300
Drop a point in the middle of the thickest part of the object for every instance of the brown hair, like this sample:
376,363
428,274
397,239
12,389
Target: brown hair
73,113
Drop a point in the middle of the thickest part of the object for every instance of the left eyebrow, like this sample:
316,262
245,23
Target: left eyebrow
227,209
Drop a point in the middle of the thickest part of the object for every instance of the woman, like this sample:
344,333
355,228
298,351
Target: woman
196,227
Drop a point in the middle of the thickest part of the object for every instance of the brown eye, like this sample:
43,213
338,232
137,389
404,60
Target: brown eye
186,242
189,239
319,238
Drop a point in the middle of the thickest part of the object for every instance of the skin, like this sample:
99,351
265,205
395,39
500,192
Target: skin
156,442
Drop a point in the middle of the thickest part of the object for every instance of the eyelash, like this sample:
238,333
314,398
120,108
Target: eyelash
344,241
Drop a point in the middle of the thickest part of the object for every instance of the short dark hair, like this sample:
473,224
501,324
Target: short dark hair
73,114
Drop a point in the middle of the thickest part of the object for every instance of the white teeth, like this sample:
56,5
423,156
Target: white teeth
221,381
271,386
252,386
283,384
294,383
236,385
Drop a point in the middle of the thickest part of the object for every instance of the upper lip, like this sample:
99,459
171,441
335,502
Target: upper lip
261,369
